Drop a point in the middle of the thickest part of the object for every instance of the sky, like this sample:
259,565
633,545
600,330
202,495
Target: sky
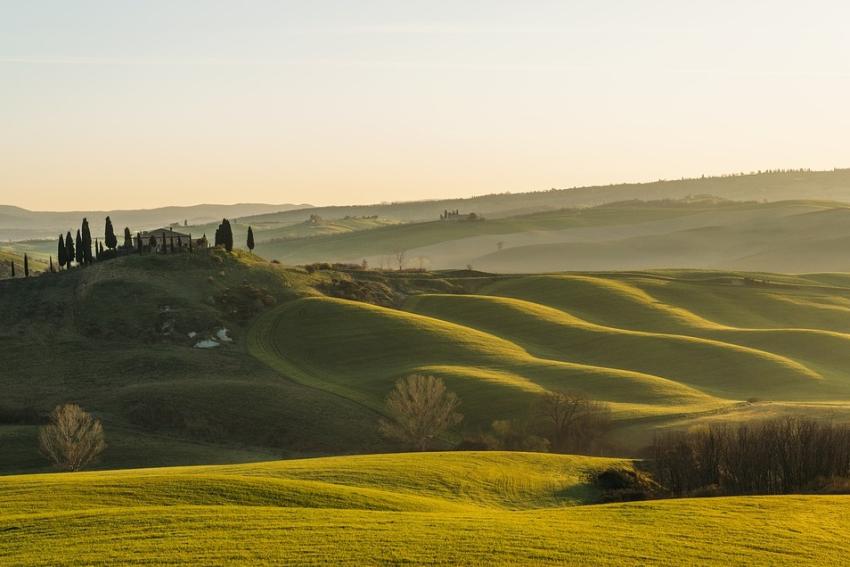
135,104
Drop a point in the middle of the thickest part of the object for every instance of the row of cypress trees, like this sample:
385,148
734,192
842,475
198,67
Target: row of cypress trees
224,236
70,250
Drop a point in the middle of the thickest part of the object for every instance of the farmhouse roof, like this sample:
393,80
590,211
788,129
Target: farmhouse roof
168,232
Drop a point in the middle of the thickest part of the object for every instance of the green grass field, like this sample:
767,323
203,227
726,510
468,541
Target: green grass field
664,348
305,373
435,508
660,347
114,337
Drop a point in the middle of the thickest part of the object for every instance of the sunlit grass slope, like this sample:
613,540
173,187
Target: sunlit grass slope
797,318
662,347
556,334
439,508
11,254
359,350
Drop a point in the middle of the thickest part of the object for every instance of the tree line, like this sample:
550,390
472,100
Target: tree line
77,249
420,413
778,456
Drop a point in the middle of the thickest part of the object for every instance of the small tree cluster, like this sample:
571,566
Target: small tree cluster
772,457
75,250
572,422
224,235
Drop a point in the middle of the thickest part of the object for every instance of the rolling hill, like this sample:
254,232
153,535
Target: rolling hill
438,508
658,346
10,255
709,233
665,349
768,186
119,337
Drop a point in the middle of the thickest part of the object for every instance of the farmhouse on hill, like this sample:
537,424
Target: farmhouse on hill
456,215
168,237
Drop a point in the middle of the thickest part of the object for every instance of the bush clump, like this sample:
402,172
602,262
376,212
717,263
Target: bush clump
621,484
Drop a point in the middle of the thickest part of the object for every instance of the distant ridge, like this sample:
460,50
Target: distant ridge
834,185
17,223
782,185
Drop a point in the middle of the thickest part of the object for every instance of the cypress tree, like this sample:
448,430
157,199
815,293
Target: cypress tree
139,242
61,252
79,257
225,235
86,233
179,243
12,262
191,245
26,266
69,249
172,243
152,243
51,265
128,238
251,239
109,235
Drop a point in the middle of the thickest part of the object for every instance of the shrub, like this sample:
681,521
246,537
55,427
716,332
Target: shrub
621,484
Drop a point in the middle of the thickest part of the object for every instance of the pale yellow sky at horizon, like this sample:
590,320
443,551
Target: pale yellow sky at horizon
116,105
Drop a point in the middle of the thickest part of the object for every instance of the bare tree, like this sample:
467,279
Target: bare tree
777,456
399,259
72,439
420,409
572,422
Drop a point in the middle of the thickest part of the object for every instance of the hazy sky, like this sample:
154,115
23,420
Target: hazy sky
120,104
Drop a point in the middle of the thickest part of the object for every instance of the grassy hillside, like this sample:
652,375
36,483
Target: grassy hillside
787,236
663,348
414,236
115,337
9,255
439,508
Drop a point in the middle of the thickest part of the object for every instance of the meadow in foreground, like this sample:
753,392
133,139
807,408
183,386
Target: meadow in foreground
436,508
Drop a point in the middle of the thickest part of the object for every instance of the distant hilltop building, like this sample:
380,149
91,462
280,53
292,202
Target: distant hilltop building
456,215
167,238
